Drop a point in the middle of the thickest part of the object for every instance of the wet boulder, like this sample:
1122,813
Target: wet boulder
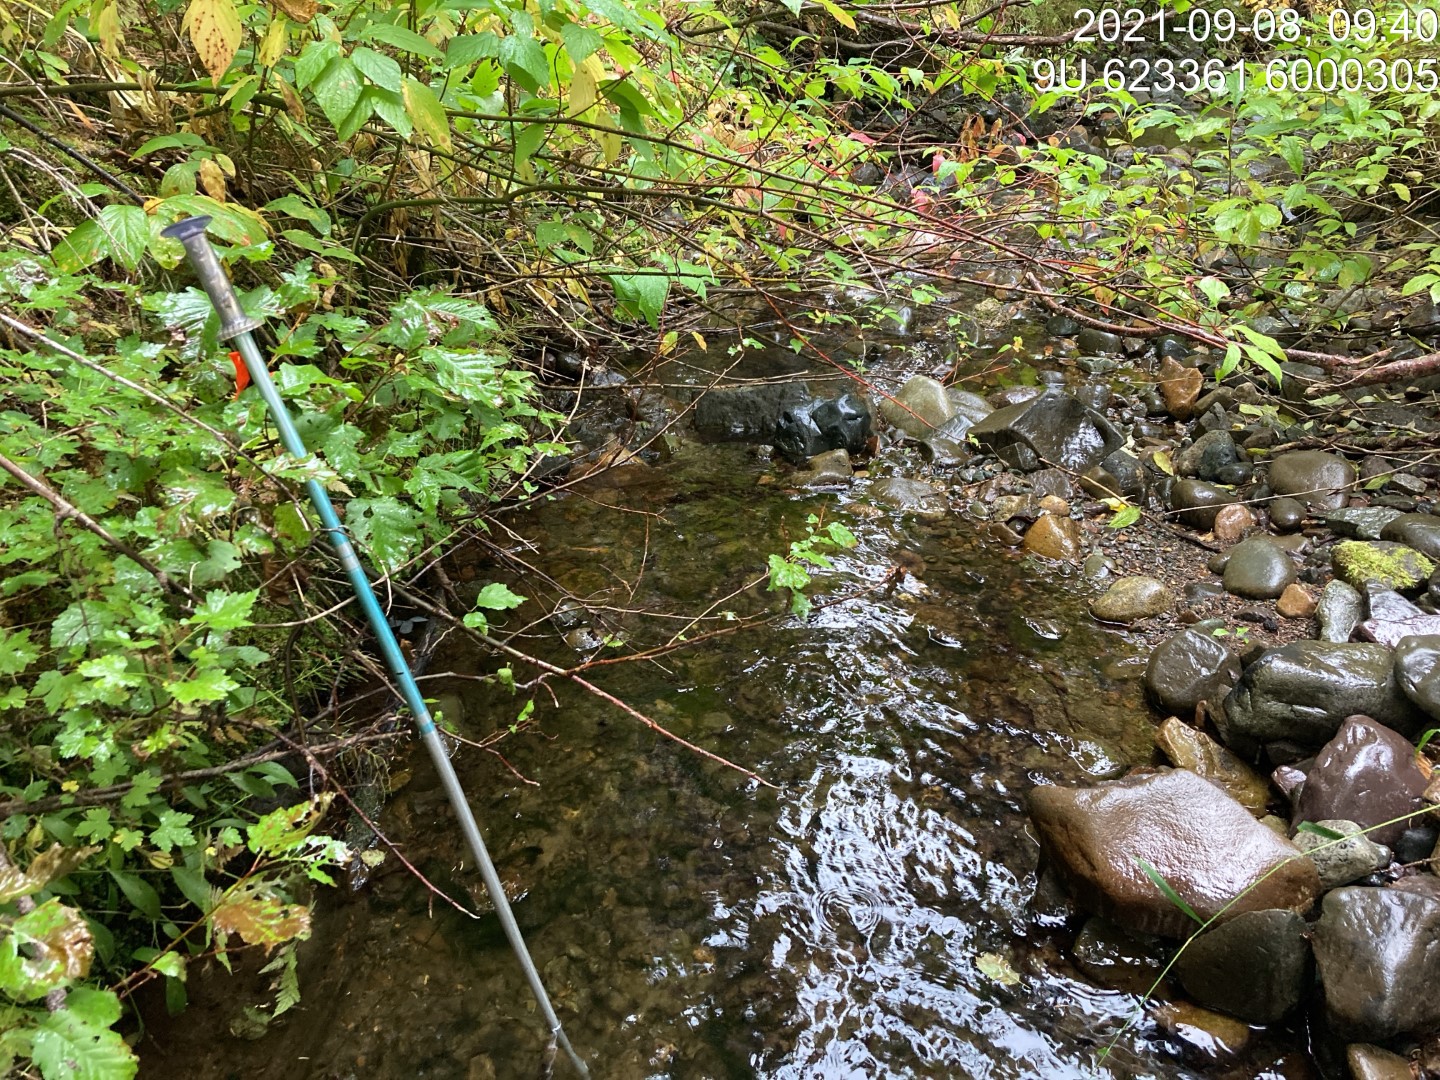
1360,522
1303,691
815,426
1188,668
1258,569
1418,531
920,406
747,413
1366,774
1417,668
1313,476
1052,429
1286,514
1378,955
1255,966
1367,1062
1339,611
971,406
1205,845
1395,566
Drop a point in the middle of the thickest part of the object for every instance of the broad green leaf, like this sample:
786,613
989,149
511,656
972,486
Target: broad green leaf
77,1043
525,62
498,597
222,610
380,69
83,245
337,90
401,38
209,685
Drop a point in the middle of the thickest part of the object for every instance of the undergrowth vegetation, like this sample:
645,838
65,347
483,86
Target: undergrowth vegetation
423,201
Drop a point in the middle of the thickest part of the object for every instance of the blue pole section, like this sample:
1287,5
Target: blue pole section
234,323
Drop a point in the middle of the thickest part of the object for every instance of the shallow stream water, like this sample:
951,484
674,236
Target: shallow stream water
872,917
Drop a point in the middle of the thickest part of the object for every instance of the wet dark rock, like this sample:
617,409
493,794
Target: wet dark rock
1419,531
1366,774
1387,605
1236,475
1207,455
1408,485
1258,569
1189,748
972,407
1359,522
1188,668
1126,468
1416,844
1395,566
1339,611
1340,862
1053,537
918,408
1202,842
1256,966
803,431
1014,395
1313,476
1112,958
1378,955
1061,326
1287,514
747,414
1168,347
1417,668
947,445
904,494
1099,341
1198,502
1053,429
1051,482
1131,599
823,470
1367,1062
1303,692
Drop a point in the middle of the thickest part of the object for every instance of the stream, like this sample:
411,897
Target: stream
873,917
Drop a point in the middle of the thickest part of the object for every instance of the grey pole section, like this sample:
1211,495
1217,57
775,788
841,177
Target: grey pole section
234,323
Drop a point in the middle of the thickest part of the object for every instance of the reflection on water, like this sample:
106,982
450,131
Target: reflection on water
870,919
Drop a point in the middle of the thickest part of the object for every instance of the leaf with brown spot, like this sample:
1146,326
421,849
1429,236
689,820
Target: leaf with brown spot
44,949
212,179
44,868
262,920
302,11
215,31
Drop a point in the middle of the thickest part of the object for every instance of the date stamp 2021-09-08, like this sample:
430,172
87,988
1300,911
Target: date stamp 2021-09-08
1358,50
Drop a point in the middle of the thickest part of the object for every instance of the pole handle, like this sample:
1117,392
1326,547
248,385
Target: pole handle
191,233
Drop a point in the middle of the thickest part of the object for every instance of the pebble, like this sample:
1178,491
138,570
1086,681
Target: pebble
1180,387
1314,476
1132,599
1286,514
1053,537
1197,503
1258,569
1296,602
1367,1062
1209,1036
1233,522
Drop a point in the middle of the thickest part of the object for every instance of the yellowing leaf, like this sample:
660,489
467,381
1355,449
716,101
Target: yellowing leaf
272,45
214,28
1163,462
584,86
700,342
838,13
212,179
995,966
261,920
427,113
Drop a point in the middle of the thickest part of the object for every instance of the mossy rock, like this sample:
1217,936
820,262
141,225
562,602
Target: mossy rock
1392,565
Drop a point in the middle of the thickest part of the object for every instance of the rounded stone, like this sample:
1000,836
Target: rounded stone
1188,668
1417,669
1053,537
1314,476
1258,569
1339,862
921,406
1233,522
1255,966
1296,602
1131,599
1286,514
1419,531
1190,748
1197,503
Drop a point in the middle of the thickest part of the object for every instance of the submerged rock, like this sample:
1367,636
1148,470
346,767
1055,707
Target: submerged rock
1188,668
1378,955
1258,569
1204,844
1255,966
1052,429
904,494
831,467
1340,862
1396,566
1313,476
1132,599
1366,774
1303,691
1113,958
747,413
1188,748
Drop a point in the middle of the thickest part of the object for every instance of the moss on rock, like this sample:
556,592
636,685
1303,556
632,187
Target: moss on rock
1393,565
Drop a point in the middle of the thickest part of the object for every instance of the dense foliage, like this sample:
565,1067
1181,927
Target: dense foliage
417,198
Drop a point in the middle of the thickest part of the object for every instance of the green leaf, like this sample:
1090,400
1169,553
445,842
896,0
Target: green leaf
223,610
128,233
139,892
1168,891
337,90
403,39
380,69
285,829
173,830
77,1043
83,245
580,41
525,62
1126,515
209,685
387,528
498,597
1320,830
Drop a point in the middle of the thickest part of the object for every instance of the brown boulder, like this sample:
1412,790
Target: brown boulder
1203,843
